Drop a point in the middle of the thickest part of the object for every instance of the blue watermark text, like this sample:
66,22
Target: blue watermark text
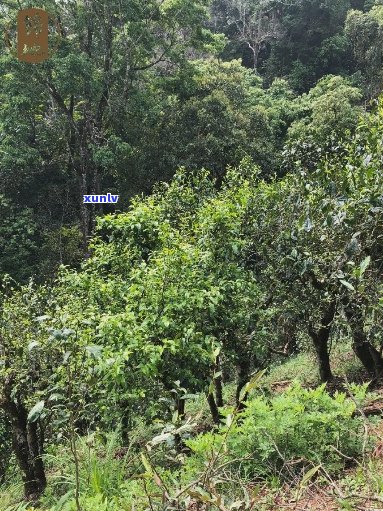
98,199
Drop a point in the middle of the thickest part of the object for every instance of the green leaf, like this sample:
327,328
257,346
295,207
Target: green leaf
36,411
364,265
216,352
308,225
347,284
252,383
94,351
55,397
146,464
309,475
189,396
42,318
32,345
67,332
200,495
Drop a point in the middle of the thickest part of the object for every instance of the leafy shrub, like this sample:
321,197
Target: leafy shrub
294,430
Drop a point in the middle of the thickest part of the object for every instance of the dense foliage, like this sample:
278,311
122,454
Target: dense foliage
136,92
244,138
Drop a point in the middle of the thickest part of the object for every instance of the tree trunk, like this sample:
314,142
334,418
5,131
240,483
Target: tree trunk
254,47
218,391
35,450
180,409
321,349
217,380
243,370
369,356
213,408
27,448
363,349
320,340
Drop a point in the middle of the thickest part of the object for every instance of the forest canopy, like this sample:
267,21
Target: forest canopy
214,340
136,91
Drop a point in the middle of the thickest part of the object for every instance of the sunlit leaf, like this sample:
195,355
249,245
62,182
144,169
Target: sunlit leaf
36,411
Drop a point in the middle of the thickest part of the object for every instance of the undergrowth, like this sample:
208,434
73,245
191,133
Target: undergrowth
291,438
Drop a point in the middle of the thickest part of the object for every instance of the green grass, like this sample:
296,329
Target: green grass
10,494
304,368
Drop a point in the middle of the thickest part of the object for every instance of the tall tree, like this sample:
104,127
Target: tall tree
83,91
365,32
